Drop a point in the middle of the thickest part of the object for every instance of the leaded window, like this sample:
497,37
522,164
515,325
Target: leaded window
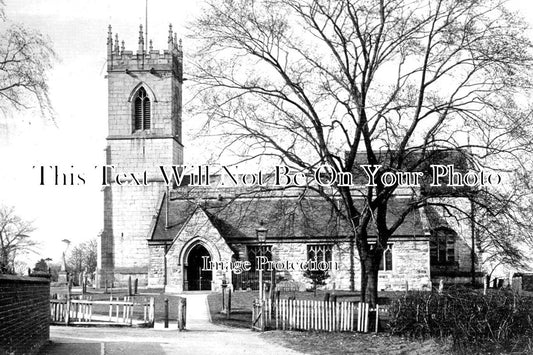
255,251
319,252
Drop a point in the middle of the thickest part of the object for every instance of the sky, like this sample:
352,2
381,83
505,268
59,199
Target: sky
78,90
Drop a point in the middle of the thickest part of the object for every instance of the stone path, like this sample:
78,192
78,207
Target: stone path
201,337
198,317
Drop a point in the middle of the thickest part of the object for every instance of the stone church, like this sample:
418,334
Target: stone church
162,236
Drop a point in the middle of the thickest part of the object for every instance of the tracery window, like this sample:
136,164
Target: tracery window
141,111
319,252
255,251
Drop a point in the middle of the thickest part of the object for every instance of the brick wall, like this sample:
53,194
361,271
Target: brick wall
24,314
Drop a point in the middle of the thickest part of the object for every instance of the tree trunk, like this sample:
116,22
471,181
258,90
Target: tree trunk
370,261
371,292
364,281
4,262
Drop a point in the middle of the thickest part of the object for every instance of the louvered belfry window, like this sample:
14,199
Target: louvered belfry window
142,119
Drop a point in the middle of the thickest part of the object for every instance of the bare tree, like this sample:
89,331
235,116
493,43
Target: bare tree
83,257
25,58
14,238
505,227
378,82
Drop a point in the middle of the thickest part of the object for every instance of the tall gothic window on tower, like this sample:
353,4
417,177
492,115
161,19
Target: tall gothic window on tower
141,111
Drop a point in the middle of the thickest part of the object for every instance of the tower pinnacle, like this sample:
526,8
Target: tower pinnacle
141,39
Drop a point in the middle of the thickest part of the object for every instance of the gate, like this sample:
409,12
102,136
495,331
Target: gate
258,316
127,312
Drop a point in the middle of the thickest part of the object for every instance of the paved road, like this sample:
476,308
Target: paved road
201,337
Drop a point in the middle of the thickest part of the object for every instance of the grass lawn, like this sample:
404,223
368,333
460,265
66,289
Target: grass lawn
352,343
321,342
241,314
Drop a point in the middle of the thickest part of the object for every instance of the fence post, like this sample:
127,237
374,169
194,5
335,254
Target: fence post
83,283
253,314
182,313
166,313
377,318
152,312
223,298
228,309
135,286
262,315
67,314
129,285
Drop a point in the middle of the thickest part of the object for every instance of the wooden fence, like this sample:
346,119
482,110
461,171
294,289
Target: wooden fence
115,311
329,316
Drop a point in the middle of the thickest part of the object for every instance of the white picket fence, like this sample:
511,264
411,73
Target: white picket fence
81,311
329,316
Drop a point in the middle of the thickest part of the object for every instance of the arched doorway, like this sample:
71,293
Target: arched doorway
198,279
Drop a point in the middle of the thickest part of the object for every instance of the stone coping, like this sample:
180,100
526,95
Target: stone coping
8,277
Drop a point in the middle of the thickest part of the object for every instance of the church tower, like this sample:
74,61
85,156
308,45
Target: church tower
144,117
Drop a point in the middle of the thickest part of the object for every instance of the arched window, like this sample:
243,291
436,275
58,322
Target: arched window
141,111
386,259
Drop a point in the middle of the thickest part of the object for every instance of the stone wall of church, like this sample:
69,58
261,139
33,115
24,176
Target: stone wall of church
137,156
295,252
410,260
160,90
410,267
136,152
130,212
157,268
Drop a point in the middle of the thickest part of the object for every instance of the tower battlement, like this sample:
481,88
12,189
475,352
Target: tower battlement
145,58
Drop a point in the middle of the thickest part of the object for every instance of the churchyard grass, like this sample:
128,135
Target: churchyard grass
322,342
353,343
